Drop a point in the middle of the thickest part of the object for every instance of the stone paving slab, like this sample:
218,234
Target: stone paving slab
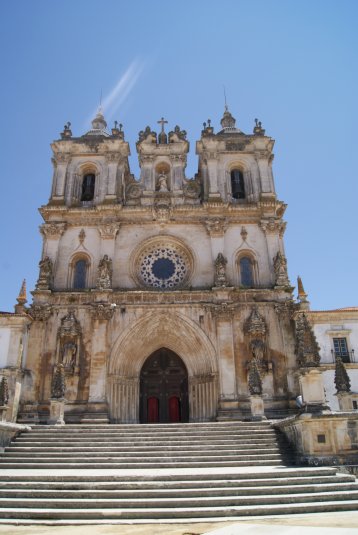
314,524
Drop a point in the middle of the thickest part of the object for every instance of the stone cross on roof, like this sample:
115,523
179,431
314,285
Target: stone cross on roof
162,122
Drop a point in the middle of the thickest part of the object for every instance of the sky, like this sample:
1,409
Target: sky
292,64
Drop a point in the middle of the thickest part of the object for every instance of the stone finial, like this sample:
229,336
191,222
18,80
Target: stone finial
177,134
307,348
302,296
208,130
220,270
45,277
280,267
4,391
258,130
99,122
21,299
341,378
104,279
58,385
254,379
67,132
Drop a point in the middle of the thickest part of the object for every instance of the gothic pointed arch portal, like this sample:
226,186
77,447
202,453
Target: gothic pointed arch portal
153,332
163,389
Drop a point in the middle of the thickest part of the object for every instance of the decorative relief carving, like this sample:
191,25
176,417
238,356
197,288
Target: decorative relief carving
162,209
285,310
133,191
192,189
69,338
4,392
103,311
254,379
235,147
273,225
40,312
58,385
46,273
216,226
256,330
280,267
53,230
307,348
104,278
220,271
109,231
222,311
243,233
81,236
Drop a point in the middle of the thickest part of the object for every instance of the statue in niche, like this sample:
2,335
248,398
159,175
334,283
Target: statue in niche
104,280
45,277
69,343
280,267
69,351
220,270
162,182
258,347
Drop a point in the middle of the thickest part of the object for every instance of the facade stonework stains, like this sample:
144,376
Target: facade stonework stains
163,265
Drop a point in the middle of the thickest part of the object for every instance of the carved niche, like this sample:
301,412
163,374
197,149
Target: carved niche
280,267
104,273
256,331
69,343
220,271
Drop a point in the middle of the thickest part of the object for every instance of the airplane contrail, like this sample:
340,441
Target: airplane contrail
121,90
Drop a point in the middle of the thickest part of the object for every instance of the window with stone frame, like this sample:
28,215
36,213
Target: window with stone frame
341,348
80,274
246,272
88,184
237,184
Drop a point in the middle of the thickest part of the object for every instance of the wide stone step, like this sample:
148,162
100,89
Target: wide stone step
179,501
190,456
156,493
138,465
211,512
130,452
175,484
165,427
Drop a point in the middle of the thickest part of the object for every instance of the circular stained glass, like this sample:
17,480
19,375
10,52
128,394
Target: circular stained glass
163,267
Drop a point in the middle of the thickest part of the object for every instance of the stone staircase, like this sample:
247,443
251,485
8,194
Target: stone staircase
97,473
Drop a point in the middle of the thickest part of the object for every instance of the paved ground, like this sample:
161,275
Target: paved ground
314,524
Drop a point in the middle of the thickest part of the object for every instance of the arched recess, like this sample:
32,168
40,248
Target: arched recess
243,189
151,332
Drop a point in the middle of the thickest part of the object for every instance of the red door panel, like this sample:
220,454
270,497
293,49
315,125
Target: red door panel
174,409
153,410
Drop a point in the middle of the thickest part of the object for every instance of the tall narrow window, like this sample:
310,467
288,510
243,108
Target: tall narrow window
237,184
341,348
246,272
88,187
79,276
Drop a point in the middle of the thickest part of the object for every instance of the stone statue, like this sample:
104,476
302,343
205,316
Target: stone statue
69,351
341,378
220,270
45,277
280,267
58,386
162,182
307,349
104,280
254,379
257,347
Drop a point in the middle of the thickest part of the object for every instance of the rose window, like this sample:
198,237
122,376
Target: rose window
163,267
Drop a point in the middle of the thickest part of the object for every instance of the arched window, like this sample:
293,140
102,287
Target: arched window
237,184
88,183
80,274
246,272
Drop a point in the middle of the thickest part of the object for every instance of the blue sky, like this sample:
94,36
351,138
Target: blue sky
292,64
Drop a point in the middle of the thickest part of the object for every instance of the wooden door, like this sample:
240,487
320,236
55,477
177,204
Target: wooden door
164,378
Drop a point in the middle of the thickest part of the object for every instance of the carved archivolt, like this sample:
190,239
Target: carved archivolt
162,263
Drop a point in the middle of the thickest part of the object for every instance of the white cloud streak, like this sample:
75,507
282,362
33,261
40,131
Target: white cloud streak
115,98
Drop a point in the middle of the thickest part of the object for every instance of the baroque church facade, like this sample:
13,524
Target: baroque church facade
164,299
